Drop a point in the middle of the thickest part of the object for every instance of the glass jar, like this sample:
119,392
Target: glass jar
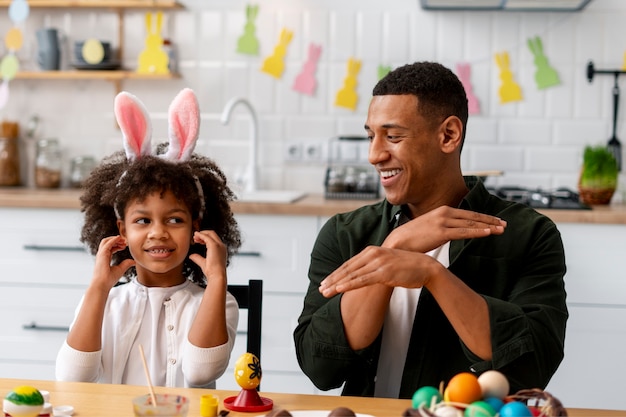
335,181
80,169
9,154
9,162
48,164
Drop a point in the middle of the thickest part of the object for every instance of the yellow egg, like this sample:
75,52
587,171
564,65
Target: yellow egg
248,371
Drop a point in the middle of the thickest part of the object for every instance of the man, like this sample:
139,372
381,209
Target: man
439,278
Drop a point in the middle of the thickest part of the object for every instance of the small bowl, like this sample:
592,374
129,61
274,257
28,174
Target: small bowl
169,405
62,411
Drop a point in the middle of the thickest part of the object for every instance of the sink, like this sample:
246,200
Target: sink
270,196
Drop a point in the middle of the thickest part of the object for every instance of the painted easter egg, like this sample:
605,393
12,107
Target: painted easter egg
494,384
426,396
23,401
463,388
515,409
248,371
479,409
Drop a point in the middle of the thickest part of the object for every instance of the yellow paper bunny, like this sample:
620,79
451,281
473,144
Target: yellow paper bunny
347,96
509,89
274,64
153,59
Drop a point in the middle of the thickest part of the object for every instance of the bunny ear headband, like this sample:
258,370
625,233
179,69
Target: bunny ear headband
183,125
183,128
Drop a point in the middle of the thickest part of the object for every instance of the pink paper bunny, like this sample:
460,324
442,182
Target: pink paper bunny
305,81
464,72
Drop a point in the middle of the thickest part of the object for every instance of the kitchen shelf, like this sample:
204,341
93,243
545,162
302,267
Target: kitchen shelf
108,75
101,4
115,76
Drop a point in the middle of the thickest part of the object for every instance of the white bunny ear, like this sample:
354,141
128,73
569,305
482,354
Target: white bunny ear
184,125
132,117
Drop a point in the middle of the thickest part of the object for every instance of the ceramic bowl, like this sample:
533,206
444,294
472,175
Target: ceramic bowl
170,405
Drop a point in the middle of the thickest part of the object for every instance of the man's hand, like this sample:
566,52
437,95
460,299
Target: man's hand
441,225
377,265
401,260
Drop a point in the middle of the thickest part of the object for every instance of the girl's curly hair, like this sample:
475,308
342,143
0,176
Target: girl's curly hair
117,181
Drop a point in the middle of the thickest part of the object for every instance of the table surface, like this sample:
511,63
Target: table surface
100,400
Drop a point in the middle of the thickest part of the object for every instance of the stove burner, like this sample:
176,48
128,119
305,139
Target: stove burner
561,198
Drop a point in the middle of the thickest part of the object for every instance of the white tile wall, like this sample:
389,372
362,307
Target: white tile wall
536,142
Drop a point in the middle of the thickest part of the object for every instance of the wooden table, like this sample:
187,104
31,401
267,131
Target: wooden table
106,400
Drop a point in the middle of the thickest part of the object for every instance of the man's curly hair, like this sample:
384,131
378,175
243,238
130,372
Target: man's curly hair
117,181
439,91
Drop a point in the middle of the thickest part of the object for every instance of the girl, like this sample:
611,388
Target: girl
161,225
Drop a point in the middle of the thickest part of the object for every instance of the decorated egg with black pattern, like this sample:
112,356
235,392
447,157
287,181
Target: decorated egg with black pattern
248,371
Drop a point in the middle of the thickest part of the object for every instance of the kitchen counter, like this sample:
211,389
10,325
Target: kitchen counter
310,205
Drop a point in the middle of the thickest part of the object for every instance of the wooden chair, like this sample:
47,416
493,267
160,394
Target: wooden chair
250,297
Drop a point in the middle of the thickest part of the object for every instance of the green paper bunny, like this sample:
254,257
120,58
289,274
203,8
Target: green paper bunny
248,42
545,75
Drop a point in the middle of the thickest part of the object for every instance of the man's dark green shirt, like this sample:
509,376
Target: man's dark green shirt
519,273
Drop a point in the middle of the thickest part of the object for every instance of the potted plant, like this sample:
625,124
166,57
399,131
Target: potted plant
598,176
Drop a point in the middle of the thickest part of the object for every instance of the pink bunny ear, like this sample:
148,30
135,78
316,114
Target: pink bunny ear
184,125
132,117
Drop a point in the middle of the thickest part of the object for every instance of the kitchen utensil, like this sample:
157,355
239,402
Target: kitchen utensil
614,144
48,50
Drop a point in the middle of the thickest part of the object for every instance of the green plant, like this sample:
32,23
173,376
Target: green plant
599,169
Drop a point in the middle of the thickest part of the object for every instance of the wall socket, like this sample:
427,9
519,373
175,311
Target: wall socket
293,151
312,152
309,151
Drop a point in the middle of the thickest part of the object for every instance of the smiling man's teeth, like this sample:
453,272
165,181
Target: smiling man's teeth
391,173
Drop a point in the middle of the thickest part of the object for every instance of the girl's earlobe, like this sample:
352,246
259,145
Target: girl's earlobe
120,227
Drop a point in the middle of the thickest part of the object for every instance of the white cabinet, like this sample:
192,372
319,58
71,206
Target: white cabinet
43,273
591,374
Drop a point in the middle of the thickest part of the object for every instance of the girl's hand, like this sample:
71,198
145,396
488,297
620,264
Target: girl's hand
214,265
106,275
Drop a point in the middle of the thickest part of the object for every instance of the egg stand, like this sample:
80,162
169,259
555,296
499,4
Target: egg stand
248,400
614,144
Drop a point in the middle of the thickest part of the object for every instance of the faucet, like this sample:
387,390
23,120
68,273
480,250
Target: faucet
251,184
